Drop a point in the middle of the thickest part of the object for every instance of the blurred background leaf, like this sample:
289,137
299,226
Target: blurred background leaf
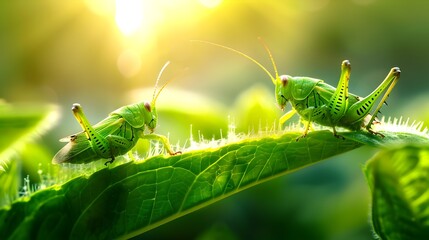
254,110
20,145
399,182
185,114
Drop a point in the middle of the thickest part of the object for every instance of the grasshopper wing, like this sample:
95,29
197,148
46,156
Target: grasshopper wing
78,149
326,91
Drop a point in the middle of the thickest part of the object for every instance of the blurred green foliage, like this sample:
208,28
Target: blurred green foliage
399,182
21,151
67,52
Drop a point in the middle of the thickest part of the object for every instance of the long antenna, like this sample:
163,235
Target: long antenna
155,94
270,55
157,80
246,56
160,90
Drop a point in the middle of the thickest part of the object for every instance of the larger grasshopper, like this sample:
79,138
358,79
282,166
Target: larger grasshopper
115,135
316,101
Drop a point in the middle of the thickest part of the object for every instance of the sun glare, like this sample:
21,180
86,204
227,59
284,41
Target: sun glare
129,15
134,16
140,21
210,3
101,7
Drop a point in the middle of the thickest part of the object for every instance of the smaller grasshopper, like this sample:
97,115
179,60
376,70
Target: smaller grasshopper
316,101
115,135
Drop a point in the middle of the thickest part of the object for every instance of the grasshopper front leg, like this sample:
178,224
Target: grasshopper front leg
311,114
307,125
286,117
163,140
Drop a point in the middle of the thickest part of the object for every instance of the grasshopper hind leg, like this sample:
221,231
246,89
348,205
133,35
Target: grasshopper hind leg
359,111
369,123
396,72
374,132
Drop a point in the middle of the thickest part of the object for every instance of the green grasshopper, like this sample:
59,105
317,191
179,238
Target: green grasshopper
115,135
316,101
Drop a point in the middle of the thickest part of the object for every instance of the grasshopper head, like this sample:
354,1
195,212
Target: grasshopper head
151,117
281,88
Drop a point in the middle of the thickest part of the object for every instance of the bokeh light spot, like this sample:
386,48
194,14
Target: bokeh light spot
129,63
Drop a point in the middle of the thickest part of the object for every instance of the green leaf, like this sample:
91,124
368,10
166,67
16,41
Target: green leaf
399,181
20,123
9,184
389,139
133,198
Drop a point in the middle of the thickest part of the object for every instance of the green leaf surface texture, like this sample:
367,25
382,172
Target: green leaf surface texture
399,182
132,198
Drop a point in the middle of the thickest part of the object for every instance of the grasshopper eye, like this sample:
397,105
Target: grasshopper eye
147,107
284,79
